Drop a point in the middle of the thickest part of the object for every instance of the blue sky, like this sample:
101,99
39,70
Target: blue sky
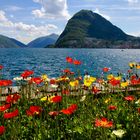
26,20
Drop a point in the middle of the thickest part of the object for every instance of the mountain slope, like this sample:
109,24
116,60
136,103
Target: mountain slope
43,41
6,42
18,43
89,29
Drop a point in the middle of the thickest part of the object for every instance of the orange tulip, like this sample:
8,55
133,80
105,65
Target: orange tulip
103,122
76,62
105,69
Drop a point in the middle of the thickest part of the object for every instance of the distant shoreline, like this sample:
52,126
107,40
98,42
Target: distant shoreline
77,48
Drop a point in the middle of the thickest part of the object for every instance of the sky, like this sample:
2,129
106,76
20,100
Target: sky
26,20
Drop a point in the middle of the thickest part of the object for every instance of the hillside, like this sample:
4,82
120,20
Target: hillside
87,29
6,42
42,42
18,43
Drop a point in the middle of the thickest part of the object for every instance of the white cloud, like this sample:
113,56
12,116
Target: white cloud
36,1
137,34
105,16
2,16
132,1
3,20
52,9
34,30
38,13
30,30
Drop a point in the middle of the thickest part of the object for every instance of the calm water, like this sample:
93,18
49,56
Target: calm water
52,61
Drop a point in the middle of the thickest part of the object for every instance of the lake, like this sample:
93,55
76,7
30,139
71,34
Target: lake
52,61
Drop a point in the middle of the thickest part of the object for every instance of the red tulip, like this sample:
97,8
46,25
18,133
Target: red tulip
52,81
112,107
133,77
5,82
5,107
36,80
103,122
56,99
12,98
34,110
114,82
95,90
66,71
76,62
129,98
27,73
2,130
70,110
73,107
66,111
105,69
11,114
135,81
69,59
1,67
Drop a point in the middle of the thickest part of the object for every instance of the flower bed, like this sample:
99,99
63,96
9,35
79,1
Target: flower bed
96,112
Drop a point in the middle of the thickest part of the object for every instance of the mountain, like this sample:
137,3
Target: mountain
6,42
18,43
87,29
43,41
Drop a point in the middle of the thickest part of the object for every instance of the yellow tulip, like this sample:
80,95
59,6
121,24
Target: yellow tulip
118,78
44,77
44,98
107,100
87,83
62,79
92,79
124,84
74,83
110,76
132,64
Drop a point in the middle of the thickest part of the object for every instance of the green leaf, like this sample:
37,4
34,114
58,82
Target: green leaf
78,129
